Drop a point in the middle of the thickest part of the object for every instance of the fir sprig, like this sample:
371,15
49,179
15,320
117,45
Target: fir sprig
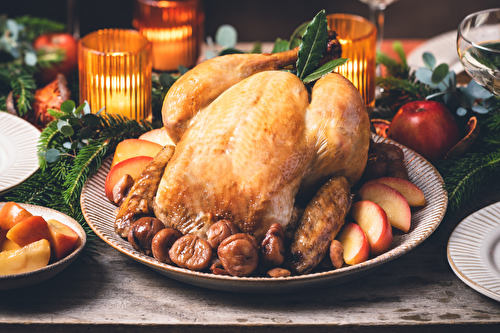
69,156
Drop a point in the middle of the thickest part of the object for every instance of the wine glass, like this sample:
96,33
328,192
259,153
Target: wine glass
377,16
478,45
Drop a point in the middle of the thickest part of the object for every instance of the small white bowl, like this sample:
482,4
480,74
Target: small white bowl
29,278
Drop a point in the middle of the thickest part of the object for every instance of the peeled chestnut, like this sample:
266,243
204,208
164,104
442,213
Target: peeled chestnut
239,254
336,254
191,252
272,248
141,233
220,231
162,242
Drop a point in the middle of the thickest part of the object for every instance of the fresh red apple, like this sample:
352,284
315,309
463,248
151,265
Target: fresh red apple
63,239
11,214
355,243
29,230
135,147
373,220
427,127
131,166
394,204
52,42
159,136
412,193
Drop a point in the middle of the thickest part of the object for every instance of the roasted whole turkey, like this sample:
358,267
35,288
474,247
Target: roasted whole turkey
254,147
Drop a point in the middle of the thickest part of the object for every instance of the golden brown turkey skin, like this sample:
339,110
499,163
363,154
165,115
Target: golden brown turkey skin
245,156
242,159
197,88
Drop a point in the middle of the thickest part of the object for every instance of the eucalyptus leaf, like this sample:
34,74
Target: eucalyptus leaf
86,108
52,155
30,58
449,82
68,106
78,110
86,132
313,45
91,120
461,111
325,69
73,122
226,36
101,110
439,73
280,45
166,80
429,60
424,75
478,91
74,145
67,145
466,97
480,109
67,130
182,69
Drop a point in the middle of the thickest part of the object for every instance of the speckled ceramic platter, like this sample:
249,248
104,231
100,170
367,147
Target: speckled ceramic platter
15,281
18,151
99,213
474,251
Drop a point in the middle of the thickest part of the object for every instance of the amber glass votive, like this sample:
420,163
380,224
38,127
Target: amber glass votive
174,27
358,38
115,68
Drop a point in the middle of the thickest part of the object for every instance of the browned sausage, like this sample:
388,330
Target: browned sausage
272,248
162,242
320,223
238,254
191,252
139,201
141,233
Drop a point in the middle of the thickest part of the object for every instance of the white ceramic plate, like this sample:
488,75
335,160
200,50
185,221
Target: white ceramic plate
474,251
444,49
18,151
100,213
26,279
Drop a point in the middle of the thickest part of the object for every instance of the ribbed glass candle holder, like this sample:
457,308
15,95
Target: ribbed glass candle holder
115,68
358,38
174,27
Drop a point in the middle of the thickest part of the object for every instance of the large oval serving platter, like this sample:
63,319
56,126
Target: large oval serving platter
100,213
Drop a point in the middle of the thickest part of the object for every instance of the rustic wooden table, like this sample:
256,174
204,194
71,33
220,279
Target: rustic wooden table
104,291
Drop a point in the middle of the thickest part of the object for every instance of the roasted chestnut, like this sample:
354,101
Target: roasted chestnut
239,254
191,252
141,233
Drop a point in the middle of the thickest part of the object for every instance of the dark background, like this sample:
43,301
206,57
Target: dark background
264,20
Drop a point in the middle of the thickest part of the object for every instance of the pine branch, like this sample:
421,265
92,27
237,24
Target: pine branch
86,164
35,26
464,176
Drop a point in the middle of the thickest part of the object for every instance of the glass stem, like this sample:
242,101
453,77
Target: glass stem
377,17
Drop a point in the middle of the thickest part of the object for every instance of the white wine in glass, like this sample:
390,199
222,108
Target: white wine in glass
377,16
478,45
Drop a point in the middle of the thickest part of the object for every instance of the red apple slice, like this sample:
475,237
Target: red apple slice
12,213
394,204
373,220
355,244
135,147
159,136
132,166
412,193
29,230
63,239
